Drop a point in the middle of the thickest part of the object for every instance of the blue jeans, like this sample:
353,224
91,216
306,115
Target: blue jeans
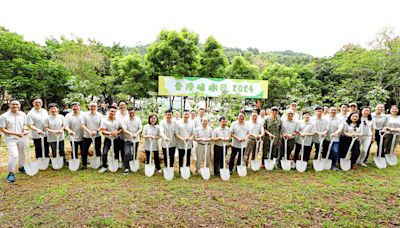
335,153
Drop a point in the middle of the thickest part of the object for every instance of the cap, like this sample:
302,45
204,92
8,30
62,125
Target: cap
275,108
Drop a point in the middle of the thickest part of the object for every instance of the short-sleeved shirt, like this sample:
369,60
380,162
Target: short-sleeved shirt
296,116
73,121
289,127
154,131
111,125
261,119
201,132
197,121
381,120
169,130
36,118
273,126
351,128
92,122
123,118
342,117
320,125
255,128
185,130
221,132
13,122
367,126
334,124
305,127
241,131
394,121
54,123
133,126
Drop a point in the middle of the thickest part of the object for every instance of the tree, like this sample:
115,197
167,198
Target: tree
241,69
212,59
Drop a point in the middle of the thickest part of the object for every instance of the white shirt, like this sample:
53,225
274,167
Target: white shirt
54,123
168,130
197,121
261,120
133,126
367,126
381,120
110,125
123,118
92,122
221,132
241,131
185,130
334,124
305,127
36,118
342,117
394,121
74,123
296,116
202,133
351,128
154,131
289,127
13,122
320,125
255,128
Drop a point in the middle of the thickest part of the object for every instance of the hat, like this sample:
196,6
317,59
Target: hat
289,111
353,104
274,108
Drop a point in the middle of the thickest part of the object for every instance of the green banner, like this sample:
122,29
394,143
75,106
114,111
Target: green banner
212,87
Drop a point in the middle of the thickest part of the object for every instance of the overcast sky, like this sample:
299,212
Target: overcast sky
316,27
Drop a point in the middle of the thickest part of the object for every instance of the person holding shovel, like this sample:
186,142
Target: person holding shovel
256,132
132,128
73,126
36,117
273,129
54,125
185,135
221,135
351,128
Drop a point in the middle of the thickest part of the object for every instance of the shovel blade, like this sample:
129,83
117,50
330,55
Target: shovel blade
301,166
391,159
73,164
269,164
95,162
327,163
225,174
31,168
43,163
318,165
255,165
149,170
113,165
57,162
185,172
168,173
205,173
134,165
345,164
380,162
242,170
286,165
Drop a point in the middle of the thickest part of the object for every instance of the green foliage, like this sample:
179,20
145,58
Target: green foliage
241,69
213,60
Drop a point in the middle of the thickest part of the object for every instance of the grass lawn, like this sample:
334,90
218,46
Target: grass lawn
364,197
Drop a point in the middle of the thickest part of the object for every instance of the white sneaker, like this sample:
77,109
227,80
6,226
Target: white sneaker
102,170
160,171
363,164
126,171
120,165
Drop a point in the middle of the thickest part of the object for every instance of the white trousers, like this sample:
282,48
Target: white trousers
365,142
16,152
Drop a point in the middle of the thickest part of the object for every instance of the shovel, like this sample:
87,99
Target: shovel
269,163
168,171
112,162
31,168
149,168
391,158
286,165
345,163
242,169
256,164
301,165
134,164
205,171
318,164
380,162
224,172
73,164
43,162
94,160
328,162
185,170
58,161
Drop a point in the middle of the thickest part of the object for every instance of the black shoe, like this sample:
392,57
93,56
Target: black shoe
84,167
21,169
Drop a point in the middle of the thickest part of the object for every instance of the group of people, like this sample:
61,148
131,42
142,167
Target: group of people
329,129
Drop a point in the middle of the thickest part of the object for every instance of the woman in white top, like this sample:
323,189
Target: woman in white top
367,134
351,128
151,135
393,127
132,128
307,130
54,125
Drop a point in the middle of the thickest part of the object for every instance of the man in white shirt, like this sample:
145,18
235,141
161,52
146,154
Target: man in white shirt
54,125
334,130
36,117
203,137
220,136
73,127
239,132
198,120
321,129
289,131
344,112
306,129
123,116
381,121
262,117
132,128
12,124
256,131
293,107
185,134
168,128
90,124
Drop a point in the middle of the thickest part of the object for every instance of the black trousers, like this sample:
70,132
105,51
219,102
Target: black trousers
236,151
325,146
218,158
355,150
118,143
377,140
85,148
297,152
38,147
156,159
182,154
128,150
77,144
171,156
61,149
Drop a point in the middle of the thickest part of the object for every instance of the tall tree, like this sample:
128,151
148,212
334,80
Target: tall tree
241,69
212,59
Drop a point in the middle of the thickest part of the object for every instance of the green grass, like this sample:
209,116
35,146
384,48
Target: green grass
367,197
